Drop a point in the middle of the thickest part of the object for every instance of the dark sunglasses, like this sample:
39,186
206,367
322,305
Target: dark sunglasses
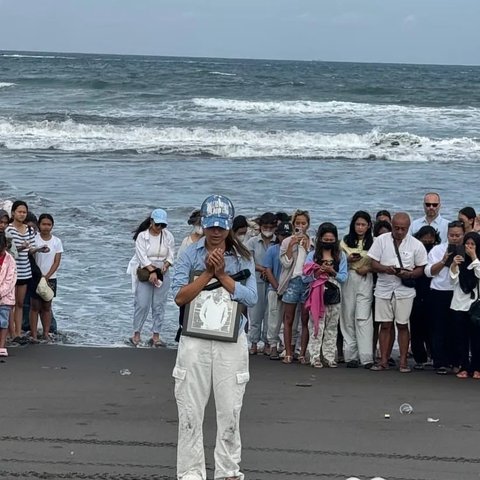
431,204
159,225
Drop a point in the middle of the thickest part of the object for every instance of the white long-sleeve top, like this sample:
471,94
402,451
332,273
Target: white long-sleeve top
462,301
151,250
442,280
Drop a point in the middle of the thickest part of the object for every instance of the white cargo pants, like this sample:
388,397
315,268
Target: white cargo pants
201,364
356,321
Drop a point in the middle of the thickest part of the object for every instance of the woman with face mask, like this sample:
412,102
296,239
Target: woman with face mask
258,315
195,235
154,254
240,228
420,317
356,321
325,270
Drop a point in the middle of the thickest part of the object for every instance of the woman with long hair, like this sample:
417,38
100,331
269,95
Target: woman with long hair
325,270
465,274
467,215
149,267
205,363
24,238
293,290
356,321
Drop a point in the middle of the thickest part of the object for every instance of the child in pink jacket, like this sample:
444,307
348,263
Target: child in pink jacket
8,278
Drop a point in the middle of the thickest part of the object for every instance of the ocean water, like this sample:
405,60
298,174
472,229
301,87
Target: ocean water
99,141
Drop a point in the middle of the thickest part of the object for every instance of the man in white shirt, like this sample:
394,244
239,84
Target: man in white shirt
398,258
431,207
441,293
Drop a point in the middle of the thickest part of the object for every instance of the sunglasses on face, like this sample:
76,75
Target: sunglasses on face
427,204
158,225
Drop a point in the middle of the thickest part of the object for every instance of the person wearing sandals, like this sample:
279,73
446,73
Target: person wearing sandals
293,252
154,251
258,315
273,267
24,238
356,321
465,275
203,364
398,258
325,269
440,297
8,280
48,260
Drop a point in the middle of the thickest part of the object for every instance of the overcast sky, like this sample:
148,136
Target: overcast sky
410,31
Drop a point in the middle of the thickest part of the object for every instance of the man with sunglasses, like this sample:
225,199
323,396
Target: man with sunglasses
431,207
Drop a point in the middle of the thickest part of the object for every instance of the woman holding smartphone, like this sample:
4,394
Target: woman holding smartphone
356,321
293,253
465,275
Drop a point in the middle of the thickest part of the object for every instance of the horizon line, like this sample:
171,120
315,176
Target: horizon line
243,58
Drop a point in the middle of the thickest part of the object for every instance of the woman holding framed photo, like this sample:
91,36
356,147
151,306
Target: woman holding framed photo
202,362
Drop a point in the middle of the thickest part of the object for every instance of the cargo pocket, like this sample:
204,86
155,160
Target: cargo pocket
179,375
243,378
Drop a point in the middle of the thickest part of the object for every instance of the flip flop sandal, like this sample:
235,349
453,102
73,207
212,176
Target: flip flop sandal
405,370
462,374
378,367
131,342
476,375
287,359
3,352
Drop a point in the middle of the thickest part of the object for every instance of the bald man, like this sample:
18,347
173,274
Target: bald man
431,207
398,258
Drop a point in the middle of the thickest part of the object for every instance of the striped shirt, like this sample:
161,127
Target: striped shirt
24,272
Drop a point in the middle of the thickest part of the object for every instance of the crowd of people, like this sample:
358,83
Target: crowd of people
323,299
30,256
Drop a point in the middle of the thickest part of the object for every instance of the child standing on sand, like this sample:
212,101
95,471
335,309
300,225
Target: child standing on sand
8,279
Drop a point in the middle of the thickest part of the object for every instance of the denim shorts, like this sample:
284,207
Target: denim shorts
4,315
296,292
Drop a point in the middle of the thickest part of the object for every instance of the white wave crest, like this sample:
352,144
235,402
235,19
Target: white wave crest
6,84
232,142
223,74
376,114
17,55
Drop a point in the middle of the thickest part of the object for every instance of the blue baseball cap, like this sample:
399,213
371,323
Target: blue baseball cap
217,211
159,216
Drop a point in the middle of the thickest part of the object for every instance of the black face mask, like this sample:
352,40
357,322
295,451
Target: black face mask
327,245
429,246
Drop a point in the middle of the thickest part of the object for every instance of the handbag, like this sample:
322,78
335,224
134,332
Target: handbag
474,310
331,294
143,274
406,282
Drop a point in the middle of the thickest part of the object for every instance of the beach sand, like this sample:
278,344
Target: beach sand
67,412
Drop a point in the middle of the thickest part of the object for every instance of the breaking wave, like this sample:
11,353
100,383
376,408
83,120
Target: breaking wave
70,136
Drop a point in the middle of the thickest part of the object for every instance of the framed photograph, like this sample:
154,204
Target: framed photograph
212,315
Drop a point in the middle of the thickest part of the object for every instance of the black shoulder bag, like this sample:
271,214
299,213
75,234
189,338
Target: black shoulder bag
407,282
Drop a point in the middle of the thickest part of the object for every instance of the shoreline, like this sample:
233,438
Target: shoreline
70,413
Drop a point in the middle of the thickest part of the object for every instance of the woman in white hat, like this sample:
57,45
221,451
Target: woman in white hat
154,254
